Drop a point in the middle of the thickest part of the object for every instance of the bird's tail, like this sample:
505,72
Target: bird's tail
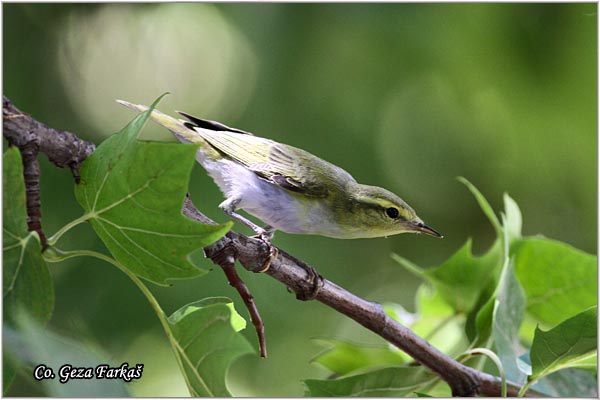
176,126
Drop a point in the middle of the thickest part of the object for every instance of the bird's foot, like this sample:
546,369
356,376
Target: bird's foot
266,234
316,281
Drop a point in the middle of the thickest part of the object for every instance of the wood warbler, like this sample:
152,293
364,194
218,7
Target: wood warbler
288,188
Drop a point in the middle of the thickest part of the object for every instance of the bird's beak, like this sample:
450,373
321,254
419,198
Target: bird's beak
422,228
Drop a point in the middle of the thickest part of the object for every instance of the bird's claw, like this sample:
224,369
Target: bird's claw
317,282
266,235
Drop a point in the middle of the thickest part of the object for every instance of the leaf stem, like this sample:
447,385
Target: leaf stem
54,238
57,255
496,360
409,265
481,361
525,387
483,204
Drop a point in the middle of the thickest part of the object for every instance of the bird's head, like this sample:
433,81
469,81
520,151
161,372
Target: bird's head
373,212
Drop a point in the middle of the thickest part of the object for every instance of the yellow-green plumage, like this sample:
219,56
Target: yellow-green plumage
289,188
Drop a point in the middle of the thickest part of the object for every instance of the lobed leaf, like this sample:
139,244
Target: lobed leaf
26,281
559,280
480,319
483,203
484,320
486,315
133,192
566,345
508,313
343,358
437,322
460,279
207,343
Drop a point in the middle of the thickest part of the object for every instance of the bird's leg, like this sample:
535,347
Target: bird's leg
265,234
316,280
230,205
268,231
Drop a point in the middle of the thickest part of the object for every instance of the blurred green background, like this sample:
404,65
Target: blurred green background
403,96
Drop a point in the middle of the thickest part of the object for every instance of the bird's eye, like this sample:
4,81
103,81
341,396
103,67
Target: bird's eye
392,212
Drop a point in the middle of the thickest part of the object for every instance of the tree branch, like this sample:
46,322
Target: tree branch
31,175
65,149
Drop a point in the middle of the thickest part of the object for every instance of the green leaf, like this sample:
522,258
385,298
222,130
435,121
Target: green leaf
565,345
437,322
430,304
27,284
399,313
483,203
559,280
479,321
460,279
207,343
508,314
26,280
513,221
387,382
478,326
484,320
133,192
588,363
409,265
31,345
485,315
238,322
342,358
9,365
501,317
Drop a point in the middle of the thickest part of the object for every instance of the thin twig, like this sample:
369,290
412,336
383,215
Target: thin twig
31,175
225,258
227,263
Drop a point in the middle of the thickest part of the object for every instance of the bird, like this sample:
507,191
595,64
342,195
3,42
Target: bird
287,188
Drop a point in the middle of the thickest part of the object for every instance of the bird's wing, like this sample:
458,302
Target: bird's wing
280,164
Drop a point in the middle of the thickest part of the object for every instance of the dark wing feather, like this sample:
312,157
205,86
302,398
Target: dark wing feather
210,125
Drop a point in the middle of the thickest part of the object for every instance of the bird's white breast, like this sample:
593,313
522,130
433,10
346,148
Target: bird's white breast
270,203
